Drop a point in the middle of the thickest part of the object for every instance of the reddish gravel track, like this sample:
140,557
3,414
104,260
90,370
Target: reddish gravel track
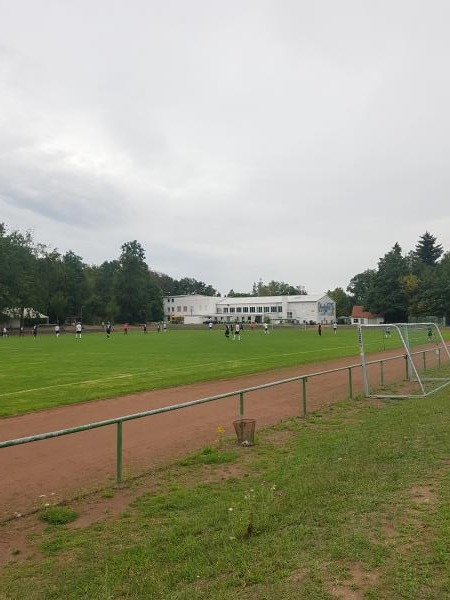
69,465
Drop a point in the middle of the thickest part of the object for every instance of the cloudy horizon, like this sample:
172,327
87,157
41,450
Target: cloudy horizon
287,141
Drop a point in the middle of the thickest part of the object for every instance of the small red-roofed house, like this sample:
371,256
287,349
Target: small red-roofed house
360,316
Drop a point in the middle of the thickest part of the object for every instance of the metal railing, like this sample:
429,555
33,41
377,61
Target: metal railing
118,421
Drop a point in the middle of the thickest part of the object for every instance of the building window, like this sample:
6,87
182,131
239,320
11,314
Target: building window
273,309
225,309
219,310
259,309
231,309
245,309
178,308
289,314
238,309
280,309
184,308
267,309
252,309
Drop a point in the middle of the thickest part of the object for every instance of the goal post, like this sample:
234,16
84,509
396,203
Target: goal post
417,343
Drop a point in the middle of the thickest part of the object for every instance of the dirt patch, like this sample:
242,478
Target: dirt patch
278,438
17,539
360,581
423,494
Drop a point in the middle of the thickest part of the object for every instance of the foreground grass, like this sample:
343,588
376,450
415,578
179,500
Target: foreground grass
354,500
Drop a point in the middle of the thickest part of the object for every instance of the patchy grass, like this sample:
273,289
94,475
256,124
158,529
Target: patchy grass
355,504
57,515
209,456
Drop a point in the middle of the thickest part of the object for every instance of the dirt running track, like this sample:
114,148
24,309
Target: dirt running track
66,466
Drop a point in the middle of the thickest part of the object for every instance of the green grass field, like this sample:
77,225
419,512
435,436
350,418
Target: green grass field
352,502
50,371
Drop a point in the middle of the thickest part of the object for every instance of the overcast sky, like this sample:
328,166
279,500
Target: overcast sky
238,140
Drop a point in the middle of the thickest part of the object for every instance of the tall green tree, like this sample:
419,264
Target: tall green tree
360,287
343,302
75,283
427,250
276,288
387,295
19,283
137,296
189,285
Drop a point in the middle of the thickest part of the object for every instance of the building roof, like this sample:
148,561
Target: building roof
188,296
271,299
358,312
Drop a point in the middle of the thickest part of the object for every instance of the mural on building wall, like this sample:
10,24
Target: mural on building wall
326,309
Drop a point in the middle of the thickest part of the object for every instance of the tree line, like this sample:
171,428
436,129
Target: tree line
273,288
403,286
62,286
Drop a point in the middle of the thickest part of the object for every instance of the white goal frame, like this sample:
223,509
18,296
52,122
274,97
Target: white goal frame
413,375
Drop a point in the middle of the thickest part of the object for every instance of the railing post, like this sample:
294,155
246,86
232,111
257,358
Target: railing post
406,367
304,380
382,373
119,452
350,383
241,404
424,361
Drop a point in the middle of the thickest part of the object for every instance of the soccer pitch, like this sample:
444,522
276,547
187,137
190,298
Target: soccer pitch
50,371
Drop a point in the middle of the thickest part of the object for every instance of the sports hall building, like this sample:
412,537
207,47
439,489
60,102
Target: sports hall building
194,309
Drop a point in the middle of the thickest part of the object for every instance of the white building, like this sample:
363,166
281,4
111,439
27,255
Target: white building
190,308
13,315
318,308
360,316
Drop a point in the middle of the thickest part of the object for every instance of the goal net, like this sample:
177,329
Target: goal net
419,346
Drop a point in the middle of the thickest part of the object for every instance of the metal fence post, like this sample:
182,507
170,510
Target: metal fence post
119,452
304,380
406,367
350,383
241,404
424,361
